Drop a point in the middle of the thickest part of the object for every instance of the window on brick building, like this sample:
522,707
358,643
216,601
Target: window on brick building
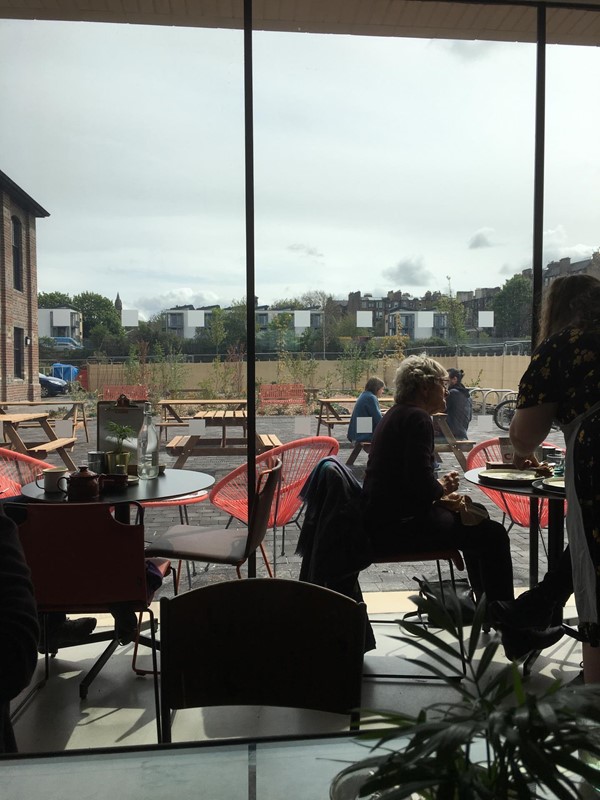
17,253
19,340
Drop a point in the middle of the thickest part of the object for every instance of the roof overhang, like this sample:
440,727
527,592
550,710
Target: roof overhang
568,22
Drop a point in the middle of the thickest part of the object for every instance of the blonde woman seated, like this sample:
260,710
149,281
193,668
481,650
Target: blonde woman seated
401,493
400,489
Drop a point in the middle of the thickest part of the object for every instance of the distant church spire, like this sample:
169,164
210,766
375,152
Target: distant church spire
118,303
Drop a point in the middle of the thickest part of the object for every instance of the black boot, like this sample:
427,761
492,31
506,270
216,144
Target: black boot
533,609
518,644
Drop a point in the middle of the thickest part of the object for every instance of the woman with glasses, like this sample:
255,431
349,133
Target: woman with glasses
401,495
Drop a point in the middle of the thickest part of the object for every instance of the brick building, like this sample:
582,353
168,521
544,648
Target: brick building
18,293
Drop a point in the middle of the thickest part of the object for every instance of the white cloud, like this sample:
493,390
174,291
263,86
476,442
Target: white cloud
306,250
481,238
409,272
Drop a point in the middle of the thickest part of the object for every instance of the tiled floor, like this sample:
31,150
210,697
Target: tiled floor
119,709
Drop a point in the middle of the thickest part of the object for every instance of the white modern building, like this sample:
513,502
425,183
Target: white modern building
60,322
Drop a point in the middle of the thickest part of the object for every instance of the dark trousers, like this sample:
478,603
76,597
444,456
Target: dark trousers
485,547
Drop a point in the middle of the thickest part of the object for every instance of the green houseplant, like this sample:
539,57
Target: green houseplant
496,741
119,457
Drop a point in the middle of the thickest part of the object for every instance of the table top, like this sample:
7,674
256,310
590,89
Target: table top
306,765
45,402
16,418
174,483
472,475
196,402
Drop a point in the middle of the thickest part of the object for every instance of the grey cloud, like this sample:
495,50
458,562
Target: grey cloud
481,238
467,51
306,250
409,272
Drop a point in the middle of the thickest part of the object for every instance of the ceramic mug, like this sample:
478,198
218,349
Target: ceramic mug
51,477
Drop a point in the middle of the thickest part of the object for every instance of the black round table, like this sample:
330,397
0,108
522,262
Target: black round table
556,514
172,484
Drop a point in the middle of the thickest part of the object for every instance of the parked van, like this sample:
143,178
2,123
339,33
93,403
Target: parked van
66,343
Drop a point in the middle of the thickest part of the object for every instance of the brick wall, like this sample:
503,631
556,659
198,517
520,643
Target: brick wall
18,309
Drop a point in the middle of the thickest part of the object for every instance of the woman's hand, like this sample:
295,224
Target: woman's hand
525,462
449,482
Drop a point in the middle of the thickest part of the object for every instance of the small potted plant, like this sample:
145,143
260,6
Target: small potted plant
496,741
118,456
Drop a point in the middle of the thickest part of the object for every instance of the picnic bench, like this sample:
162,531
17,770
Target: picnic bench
281,394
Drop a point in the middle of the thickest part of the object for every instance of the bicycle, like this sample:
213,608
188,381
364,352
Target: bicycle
505,411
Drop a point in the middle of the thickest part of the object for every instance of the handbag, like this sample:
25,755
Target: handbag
462,591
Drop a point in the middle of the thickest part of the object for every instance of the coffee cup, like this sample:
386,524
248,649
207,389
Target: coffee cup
51,480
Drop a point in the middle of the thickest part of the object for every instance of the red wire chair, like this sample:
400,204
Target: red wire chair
16,470
298,459
513,506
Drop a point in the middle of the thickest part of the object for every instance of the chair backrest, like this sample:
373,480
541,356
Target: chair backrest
516,507
81,559
262,641
267,484
17,470
298,459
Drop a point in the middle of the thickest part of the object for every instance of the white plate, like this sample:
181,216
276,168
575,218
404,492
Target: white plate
554,484
514,477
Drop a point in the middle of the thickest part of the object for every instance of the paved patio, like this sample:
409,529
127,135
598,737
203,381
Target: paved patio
378,578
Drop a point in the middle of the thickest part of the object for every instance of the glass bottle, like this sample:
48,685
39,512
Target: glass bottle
147,448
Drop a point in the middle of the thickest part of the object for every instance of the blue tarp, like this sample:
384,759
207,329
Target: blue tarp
65,371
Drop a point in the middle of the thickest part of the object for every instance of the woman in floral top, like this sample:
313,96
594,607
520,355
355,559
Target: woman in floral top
562,383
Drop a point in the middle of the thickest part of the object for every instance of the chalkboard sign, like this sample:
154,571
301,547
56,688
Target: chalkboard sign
131,414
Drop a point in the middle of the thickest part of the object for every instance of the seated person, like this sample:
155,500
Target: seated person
367,411
459,407
400,495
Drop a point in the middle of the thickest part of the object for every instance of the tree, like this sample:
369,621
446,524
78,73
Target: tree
512,308
330,312
54,300
235,324
97,310
216,330
455,313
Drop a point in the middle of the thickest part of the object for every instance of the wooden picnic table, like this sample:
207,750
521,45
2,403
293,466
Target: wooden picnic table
52,444
171,410
77,407
451,444
329,416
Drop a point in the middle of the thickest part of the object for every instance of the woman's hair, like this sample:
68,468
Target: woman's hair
413,374
373,385
570,300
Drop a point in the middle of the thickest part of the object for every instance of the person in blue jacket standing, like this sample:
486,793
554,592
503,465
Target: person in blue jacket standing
367,406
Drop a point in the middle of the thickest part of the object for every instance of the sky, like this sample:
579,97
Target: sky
380,164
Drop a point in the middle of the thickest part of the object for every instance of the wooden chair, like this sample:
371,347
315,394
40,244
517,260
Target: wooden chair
83,561
265,642
223,545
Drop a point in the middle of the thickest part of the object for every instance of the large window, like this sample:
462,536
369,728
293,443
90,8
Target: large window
19,353
17,254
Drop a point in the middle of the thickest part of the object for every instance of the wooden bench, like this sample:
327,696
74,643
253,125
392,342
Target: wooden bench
41,450
267,441
131,391
282,394
331,422
358,446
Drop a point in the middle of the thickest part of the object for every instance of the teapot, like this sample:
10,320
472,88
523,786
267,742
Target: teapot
83,485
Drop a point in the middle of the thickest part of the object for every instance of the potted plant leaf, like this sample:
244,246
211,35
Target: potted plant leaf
118,456
497,741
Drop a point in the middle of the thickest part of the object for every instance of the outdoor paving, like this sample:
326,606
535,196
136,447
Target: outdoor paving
377,578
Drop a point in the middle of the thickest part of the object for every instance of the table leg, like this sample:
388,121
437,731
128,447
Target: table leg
534,527
186,452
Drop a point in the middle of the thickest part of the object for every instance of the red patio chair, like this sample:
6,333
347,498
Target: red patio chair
298,459
513,506
16,470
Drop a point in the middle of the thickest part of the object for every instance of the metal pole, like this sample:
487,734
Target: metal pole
538,184
250,268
